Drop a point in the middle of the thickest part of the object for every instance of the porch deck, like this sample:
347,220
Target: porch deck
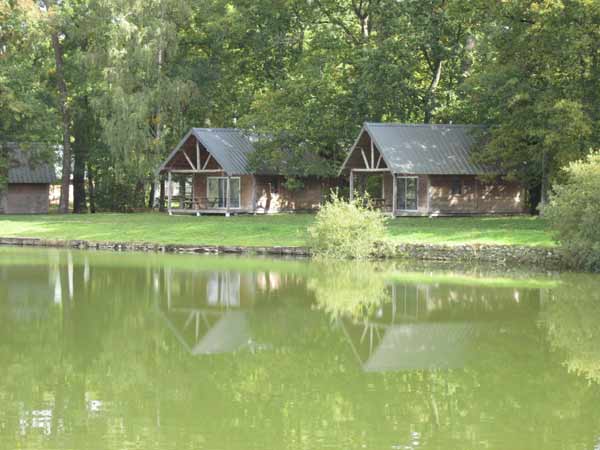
209,211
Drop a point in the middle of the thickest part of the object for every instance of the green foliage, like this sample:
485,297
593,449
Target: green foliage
305,73
570,318
536,85
347,229
574,213
352,288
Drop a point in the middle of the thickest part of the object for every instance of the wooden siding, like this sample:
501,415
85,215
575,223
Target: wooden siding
271,194
26,199
477,197
281,199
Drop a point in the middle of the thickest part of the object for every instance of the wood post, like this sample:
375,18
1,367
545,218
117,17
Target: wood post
228,196
194,202
197,156
394,193
351,184
169,191
372,155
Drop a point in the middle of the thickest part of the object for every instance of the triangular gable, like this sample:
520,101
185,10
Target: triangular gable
364,129
228,147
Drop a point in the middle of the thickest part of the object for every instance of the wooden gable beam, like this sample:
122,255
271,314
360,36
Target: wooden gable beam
188,159
197,154
207,161
362,152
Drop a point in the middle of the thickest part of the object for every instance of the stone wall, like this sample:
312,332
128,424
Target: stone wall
497,254
503,255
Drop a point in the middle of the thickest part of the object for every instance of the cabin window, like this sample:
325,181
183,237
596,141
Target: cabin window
216,192
457,186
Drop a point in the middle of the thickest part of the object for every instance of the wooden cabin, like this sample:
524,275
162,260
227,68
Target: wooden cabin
210,168
28,189
427,170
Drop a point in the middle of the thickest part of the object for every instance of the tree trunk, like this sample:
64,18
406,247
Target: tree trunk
151,196
140,194
66,122
161,200
545,183
79,200
430,98
91,189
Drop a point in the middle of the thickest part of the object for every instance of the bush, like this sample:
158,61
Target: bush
347,229
574,213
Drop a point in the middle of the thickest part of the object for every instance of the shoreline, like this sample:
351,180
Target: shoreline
503,255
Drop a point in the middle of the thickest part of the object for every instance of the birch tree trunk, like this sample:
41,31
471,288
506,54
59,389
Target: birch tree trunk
66,122
430,98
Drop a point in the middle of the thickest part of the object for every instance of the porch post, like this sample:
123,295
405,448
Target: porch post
394,193
169,192
351,184
228,196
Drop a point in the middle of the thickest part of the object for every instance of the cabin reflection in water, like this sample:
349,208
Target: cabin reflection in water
433,326
208,311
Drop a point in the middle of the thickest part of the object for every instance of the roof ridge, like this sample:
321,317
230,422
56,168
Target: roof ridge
419,125
217,129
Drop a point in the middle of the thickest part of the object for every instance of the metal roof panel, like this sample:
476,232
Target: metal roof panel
427,148
24,170
229,146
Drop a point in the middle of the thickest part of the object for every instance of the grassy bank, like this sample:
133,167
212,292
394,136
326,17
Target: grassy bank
285,229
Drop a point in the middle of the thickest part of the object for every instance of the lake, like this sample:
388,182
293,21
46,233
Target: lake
147,351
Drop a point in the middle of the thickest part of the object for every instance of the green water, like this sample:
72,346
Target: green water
143,351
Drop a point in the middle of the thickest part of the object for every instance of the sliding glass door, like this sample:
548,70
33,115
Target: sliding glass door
407,194
216,192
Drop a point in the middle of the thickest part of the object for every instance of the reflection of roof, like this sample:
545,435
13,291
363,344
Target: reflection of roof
24,169
427,149
208,331
416,346
230,333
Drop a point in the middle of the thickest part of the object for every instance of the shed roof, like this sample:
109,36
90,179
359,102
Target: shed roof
24,167
439,149
230,147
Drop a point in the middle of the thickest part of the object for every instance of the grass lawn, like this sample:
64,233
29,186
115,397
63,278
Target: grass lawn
284,229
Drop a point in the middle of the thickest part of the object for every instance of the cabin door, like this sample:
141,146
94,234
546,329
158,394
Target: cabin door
217,192
407,199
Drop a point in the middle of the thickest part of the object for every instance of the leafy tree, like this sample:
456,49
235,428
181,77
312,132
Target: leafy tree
536,87
574,213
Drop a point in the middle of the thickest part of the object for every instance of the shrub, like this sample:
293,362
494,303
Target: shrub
574,213
352,289
347,229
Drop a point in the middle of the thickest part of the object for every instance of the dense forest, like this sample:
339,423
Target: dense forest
116,83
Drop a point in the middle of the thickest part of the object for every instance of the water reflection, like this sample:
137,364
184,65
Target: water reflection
166,352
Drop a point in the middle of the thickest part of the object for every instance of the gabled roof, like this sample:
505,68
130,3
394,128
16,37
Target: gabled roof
422,346
230,147
426,148
24,169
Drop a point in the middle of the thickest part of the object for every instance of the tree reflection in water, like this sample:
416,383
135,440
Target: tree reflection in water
166,352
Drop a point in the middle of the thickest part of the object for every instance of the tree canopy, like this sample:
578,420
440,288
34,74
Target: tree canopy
116,83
